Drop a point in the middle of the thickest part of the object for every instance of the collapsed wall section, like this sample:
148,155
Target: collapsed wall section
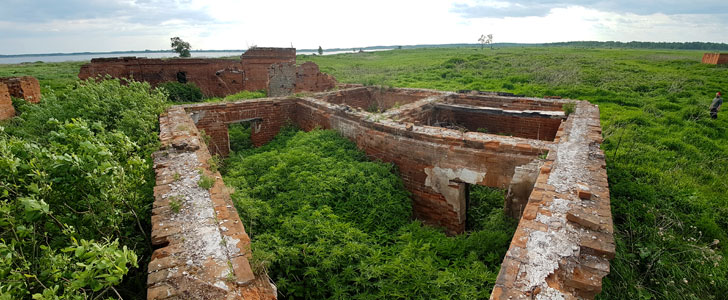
203,250
715,58
26,87
7,110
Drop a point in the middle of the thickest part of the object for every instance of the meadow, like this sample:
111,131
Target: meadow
667,163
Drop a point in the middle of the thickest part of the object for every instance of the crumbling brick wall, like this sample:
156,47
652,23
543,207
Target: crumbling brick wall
564,240
256,61
270,69
563,243
215,77
203,250
715,58
7,110
26,87
433,164
310,79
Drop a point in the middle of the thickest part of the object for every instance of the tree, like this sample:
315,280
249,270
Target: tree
486,39
181,47
321,51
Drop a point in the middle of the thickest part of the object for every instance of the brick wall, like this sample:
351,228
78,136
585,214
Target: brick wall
563,243
430,160
715,58
7,110
215,77
202,248
220,77
507,103
497,121
269,115
256,62
310,79
26,87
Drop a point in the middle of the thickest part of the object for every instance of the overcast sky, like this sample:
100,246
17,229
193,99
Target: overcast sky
45,26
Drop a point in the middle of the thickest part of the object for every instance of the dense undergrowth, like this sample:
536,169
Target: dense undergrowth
667,161
328,223
75,192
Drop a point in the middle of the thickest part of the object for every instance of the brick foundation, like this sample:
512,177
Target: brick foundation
715,58
215,77
564,238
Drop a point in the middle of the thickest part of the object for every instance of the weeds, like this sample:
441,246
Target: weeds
206,182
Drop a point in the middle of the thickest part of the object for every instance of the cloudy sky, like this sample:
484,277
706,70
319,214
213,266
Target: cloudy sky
45,26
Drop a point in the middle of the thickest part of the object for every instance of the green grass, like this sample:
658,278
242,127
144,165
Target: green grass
55,76
666,158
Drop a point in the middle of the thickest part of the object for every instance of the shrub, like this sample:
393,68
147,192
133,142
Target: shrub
568,108
76,181
327,223
181,92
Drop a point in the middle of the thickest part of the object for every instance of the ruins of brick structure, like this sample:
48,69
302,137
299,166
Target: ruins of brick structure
270,69
26,87
7,110
442,143
715,58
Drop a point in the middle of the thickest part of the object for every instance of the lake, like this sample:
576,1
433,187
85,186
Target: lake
88,56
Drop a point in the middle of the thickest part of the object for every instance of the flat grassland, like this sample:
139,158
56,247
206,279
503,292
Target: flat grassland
667,160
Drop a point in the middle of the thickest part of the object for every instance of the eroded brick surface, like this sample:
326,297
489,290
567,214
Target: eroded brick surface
26,87
715,58
203,249
563,243
7,110
564,239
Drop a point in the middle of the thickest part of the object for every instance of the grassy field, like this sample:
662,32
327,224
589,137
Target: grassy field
667,160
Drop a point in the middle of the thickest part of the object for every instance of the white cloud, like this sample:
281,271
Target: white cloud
231,24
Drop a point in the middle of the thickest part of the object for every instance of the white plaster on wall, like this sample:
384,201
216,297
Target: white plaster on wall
445,181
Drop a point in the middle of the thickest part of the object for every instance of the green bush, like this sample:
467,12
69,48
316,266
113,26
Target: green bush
181,92
76,186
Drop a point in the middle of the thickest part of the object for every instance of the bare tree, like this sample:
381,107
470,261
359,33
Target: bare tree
486,39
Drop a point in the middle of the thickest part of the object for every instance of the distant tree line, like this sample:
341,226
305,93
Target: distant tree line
645,45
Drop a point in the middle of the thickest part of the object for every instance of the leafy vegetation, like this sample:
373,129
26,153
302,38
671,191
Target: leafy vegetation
327,223
666,158
75,186
181,92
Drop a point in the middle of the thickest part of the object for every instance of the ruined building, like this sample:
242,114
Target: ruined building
547,157
26,87
715,58
271,69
